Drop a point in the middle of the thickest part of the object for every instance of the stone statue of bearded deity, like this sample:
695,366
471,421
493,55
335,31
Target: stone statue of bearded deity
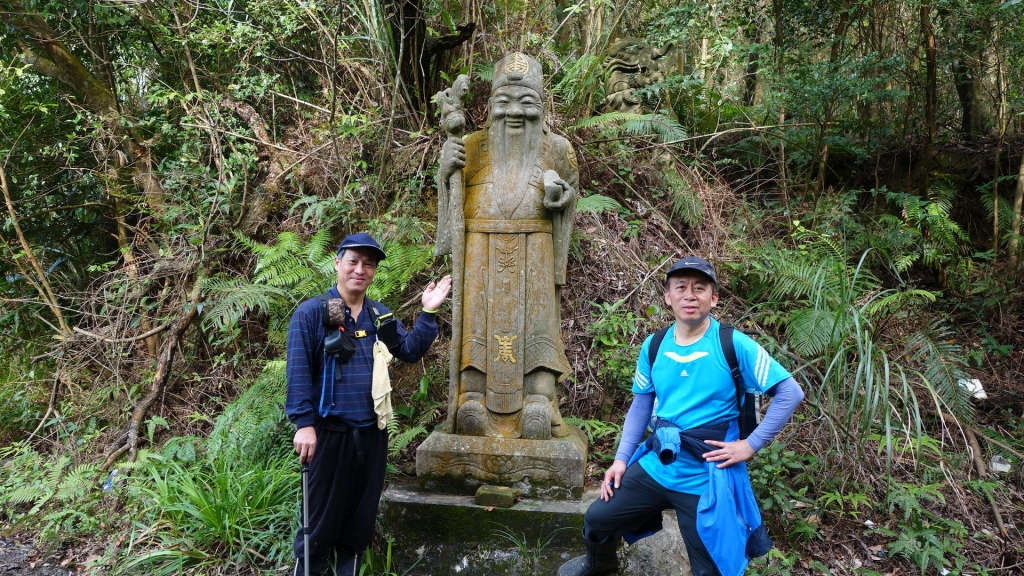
518,202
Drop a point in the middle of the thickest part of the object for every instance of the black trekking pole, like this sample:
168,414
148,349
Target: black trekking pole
305,517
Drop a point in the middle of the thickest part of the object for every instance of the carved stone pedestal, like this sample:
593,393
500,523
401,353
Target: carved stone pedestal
457,464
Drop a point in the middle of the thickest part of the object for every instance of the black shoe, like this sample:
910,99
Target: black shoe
600,559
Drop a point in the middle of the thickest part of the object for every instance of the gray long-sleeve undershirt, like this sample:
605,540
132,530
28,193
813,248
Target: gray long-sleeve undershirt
788,396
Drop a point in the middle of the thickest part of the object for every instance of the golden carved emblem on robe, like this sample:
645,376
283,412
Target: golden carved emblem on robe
505,353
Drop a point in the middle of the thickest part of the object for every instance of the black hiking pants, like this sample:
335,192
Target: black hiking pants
346,478
631,508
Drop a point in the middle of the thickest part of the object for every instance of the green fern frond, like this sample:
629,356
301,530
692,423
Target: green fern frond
800,278
939,361
78,481
55,470
660,125
228,300
429,416
393,427
666,128
607,119
685,201
597,204
811,331
399,442
27,494
894,301
393,274
289,253
251,426
579,79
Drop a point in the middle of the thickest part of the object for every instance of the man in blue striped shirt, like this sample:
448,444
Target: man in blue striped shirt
330,404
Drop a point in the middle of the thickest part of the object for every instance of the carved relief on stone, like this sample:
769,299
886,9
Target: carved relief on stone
632,64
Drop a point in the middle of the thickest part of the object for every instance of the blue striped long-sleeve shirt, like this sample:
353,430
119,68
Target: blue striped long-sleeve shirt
311,380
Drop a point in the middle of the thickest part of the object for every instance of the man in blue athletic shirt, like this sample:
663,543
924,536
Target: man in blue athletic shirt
329,402
697,405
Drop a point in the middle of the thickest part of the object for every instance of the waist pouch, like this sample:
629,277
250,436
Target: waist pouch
667,440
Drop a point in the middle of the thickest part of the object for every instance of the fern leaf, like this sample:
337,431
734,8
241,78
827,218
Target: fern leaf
78,481
27,494
249,427
227,301
607,119
597,204
811,330
637,125
393,274
398,443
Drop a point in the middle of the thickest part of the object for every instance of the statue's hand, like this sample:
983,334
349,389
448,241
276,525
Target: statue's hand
453,158
557,192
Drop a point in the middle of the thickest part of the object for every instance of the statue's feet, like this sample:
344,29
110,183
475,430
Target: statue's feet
559,429
536,418
472,417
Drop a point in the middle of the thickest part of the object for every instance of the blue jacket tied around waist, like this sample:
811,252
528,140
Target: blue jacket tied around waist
728,518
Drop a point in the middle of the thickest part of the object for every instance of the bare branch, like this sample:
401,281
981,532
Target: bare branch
43,284
142,336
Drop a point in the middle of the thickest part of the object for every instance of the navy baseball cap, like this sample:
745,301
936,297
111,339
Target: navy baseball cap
362,240
693,263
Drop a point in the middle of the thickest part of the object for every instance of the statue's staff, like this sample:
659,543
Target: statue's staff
451,230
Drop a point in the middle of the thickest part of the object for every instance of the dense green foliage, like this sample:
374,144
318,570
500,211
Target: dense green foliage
176,177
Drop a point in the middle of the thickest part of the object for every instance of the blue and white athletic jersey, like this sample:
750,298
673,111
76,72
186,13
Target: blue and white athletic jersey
694,387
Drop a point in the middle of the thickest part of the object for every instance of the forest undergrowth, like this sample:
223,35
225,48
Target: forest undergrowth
176,178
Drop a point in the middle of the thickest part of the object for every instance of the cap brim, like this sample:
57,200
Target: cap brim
380,253
679,271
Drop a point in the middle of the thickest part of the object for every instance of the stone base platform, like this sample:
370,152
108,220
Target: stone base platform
444,534
551,469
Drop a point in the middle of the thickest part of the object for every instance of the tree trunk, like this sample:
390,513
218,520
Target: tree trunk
37,276
1001,131
778,41
750,77
419,57
968,90
839,35
562,22
930,98
1018,199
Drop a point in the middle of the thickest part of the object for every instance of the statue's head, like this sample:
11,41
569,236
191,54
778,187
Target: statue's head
517,93
518,69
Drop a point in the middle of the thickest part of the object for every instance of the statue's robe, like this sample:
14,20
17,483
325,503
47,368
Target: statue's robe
516,254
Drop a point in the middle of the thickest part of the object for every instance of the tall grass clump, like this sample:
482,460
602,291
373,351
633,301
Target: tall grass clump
228,501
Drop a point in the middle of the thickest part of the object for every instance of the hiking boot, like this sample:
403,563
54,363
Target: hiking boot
348,564
600,559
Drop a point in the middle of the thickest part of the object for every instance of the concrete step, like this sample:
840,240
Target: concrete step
445,535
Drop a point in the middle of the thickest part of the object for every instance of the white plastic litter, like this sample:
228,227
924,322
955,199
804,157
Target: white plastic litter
999,464
974,387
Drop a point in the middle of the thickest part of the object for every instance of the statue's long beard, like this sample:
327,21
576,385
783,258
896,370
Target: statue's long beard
514,152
